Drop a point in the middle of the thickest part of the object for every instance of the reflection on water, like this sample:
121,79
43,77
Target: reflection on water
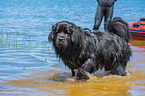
139,43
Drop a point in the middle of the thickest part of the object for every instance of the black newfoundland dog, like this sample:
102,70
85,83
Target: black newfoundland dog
85,51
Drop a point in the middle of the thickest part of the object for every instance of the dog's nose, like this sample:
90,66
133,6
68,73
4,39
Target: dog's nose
61,38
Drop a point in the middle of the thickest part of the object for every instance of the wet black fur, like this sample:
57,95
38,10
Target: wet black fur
119,27
85,51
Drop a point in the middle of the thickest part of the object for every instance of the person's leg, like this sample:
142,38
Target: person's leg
98,18
108,15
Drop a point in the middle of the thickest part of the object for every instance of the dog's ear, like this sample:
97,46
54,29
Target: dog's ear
51,34
76,34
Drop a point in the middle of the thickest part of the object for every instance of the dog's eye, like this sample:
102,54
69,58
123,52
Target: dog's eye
66,32
57,32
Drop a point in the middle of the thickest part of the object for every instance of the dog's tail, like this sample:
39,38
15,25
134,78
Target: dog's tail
119,27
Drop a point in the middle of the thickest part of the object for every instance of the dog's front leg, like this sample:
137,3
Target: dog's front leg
73,72
88,66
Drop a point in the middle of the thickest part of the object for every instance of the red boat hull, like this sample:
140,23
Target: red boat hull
137,30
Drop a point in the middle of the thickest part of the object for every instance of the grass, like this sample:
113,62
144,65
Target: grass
14,42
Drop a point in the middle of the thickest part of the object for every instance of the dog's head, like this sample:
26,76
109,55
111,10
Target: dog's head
65,33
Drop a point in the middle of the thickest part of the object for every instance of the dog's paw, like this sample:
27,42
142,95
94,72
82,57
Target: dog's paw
81,75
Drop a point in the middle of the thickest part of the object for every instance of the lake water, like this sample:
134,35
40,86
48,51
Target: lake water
28,61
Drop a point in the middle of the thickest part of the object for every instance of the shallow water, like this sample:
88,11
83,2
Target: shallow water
28,64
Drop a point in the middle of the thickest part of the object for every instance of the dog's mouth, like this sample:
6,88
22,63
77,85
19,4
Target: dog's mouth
61,44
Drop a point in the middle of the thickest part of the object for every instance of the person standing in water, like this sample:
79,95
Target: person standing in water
104,8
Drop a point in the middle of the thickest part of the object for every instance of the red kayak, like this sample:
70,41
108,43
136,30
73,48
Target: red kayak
137,29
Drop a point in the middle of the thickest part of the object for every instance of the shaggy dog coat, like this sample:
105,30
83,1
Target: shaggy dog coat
85,51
